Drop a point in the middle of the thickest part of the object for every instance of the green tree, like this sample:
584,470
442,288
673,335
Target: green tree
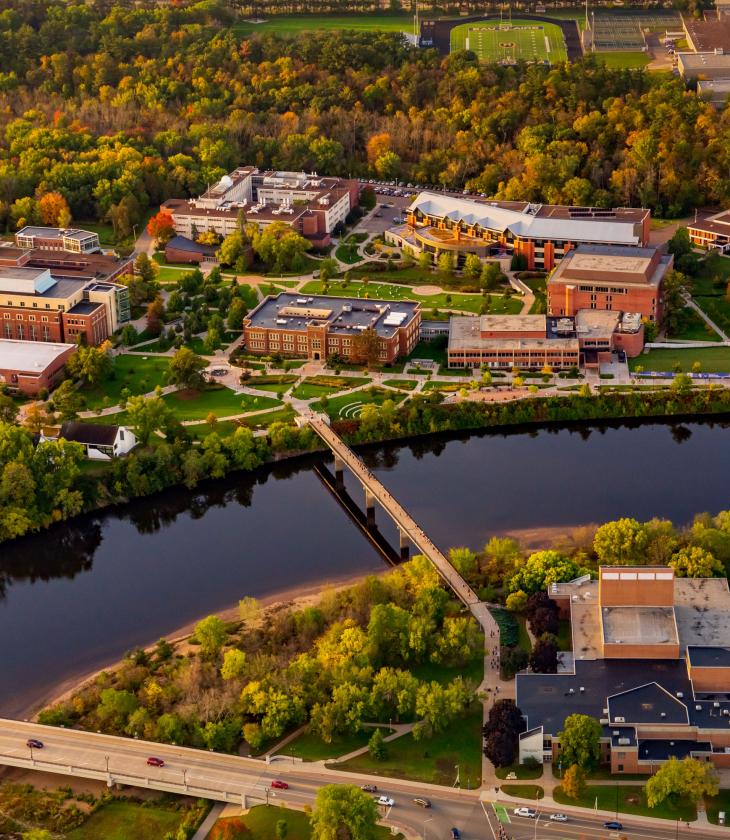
232,248
37,834
491,274
114,708
145,268
282,829
235,664
446,263
543,568
280,247
327,269
91,364
689,779
516,601
695,562
464,560
344,812
236,313
147,415
580,742
376,745
472,266
186,369
66,400
425,260
211,634
621,543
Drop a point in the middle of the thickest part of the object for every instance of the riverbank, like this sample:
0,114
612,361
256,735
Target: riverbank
295,598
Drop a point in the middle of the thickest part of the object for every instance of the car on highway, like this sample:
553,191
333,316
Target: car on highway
386,801
369,788
422,802
614,825
455,834
34,743
155,762
279,785
559,817
525,812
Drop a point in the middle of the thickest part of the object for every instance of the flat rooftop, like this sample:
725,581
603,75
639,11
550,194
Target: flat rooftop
84,307
695,63
344,316
611,264
639,626
29,356
512,323
709,657
596,323
708,35
702,610
465,333
55,233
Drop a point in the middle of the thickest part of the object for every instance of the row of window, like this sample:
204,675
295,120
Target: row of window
31,335
614,290
35,305
7,317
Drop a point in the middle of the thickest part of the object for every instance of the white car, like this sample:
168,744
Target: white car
386,801
525,812
559,817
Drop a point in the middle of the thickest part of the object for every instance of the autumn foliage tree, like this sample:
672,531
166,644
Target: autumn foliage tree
54,210
162,227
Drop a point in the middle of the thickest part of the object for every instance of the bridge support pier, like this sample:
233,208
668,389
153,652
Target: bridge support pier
370,508
405,545
339,473
243,801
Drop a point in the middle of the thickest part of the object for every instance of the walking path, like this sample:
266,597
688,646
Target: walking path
706,318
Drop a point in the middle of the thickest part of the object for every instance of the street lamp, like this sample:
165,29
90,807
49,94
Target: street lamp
430,819
457,783
106,758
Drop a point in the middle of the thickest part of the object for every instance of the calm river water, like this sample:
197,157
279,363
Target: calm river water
82,594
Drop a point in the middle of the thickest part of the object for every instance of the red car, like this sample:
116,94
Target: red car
155,762
279,785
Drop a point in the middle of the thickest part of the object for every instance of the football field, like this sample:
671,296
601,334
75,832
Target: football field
526,40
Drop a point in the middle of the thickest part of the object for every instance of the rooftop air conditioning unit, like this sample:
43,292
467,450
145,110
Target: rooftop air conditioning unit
680,694
662,714
624,742
620,719
716,704
698,708
616,733
582,690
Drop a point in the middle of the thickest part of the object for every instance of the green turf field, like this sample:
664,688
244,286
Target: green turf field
293,24
527,40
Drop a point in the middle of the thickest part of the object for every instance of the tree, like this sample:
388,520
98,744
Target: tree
446,263
472,266
512,660
516,601
366,347
185,369
235,664
543,568
344,812
211,634
491,274
376,745
501,731
675,287
155,313
688,779
696,562
91,364
37,834
327,269
66,400
282,829
236,313
543,614
145,268
680,243
35,418
464,560
280,247
147,415
54,210
232,249
425,260
161,227
544,655
682,383
580,742
621,543
574,782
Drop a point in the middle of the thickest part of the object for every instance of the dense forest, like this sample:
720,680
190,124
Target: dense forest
119,107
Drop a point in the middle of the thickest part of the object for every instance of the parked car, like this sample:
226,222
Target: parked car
614,825
455,834
386,801
279,785
525,812
559,817
34,743
424,803
369,788
155,762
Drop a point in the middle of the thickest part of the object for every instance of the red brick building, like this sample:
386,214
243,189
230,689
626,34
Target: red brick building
319,327
27,367
609,278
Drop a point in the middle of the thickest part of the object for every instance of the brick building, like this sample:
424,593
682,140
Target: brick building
712,232
311,204
652,670
541,233
72,240
318,327
529,342
36,305
27,367
610,278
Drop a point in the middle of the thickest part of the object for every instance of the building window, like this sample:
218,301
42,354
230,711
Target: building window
620,768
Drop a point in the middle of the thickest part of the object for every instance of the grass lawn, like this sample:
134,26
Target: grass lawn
630,60
712,359
523,637
312,748
171,273
523,791
530,40
712,277
443,387
292,24
347,253
321,386
221,428
139,374
432,759
631,800
349,406
127,820
223,402
375,290
260,824
403,384
275,383
693,328
715,804
522,771
278,415
105,231
565,638
444,674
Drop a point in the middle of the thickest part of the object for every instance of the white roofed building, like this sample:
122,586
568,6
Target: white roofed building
542,233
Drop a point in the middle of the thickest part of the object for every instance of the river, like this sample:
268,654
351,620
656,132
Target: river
78,596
